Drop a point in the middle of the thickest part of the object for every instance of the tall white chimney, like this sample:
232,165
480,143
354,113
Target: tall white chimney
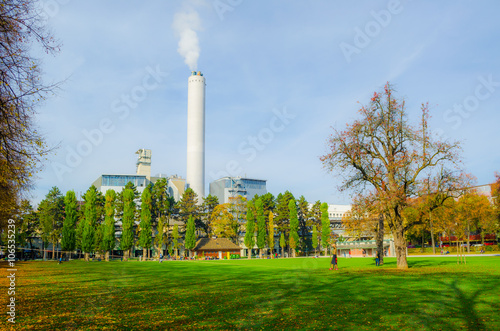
195,176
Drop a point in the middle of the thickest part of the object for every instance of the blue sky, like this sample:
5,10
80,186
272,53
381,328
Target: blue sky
310,60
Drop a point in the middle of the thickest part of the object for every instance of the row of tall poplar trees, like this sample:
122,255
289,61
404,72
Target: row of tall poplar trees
261,225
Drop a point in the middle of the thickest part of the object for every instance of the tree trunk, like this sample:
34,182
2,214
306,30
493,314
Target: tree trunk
53,250
432,235
468,236
400,248
87,257
380,240
144,254
44,251
423,241
31,249
106,257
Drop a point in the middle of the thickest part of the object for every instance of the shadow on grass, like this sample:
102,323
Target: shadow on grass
434,294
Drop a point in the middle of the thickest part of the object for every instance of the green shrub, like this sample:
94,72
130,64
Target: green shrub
491,248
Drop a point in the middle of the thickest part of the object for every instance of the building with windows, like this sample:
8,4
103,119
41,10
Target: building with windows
335,214
176,185
231,187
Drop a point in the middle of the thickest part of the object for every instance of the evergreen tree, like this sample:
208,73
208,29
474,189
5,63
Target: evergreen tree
89,227
188,206
261,226
108,241
190,239
79,232
250,229
315,239
207,208
294,226
282,244
51,218
28,225
68,240
304,224
325,226
282,214
268,203
146,234
98,238
160,235
161,210
271,233
127,240
175,240
170,250
315,215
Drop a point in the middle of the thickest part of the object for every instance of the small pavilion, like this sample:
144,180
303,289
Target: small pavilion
216,247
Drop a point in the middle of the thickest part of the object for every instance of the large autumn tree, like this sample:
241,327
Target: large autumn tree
384,152
23,35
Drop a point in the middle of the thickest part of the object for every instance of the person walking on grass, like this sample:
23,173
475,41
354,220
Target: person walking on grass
334,260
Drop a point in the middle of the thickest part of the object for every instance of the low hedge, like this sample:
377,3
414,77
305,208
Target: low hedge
473,249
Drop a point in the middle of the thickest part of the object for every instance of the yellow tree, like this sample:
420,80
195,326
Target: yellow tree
224,224
475,212
445,219
271,233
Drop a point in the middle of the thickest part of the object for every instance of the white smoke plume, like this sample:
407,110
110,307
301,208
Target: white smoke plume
185,25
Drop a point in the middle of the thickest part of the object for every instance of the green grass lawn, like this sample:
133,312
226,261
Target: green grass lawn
283,294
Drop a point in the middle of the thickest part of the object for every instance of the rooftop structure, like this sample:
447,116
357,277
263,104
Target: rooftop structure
231,187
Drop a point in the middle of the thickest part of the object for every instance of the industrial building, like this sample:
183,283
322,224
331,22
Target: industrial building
141,178
231,187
